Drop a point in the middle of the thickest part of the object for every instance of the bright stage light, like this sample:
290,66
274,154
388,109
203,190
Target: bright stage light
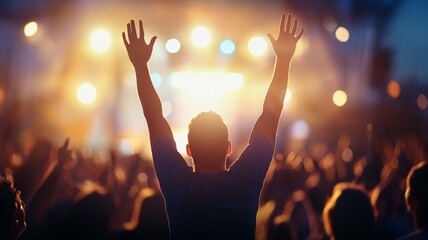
30,29
172,45
201,36
100,40
340,98
342,34
300,129
86,93
227,46
257,46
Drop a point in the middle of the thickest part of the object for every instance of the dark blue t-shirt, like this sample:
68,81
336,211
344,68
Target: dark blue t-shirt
219,206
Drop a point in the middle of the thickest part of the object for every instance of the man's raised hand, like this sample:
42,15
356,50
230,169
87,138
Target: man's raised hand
139,51
285,45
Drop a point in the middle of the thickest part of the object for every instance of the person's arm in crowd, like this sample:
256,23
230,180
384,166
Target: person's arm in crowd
139,53
284,46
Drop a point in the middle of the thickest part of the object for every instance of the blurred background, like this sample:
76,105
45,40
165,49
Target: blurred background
359,68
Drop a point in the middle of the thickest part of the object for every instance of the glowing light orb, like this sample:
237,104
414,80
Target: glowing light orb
227,47
30,29
86,93
173,45
422,101
156,79
300,129
393,89
201,36
342,34
340,98
100,40
257,46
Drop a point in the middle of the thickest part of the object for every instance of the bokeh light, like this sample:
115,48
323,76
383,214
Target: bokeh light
342,34
173,45
86,93
30,29
201,36
100,40
422,101
288,96
227,46
393,89
299,129
340,98
257,46
156,79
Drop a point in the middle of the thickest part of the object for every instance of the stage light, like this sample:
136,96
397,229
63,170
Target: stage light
215,81
227,46
30,29
201,36
340,98
257,46
422,101
100,40
342,34
299,129
172,45
156,79
86,93
393,89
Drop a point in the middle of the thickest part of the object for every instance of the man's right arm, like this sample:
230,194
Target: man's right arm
139,53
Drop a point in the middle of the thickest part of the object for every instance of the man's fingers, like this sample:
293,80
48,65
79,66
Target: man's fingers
134,32
141,29
293,31
282,23
287,29
128,27
300,33
272,40
125,41
152,41
66,143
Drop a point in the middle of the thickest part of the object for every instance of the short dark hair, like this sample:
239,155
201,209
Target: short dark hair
416,190
348,214
207,128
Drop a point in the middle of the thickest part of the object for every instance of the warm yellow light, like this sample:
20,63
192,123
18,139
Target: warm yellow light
422,101
394,89
30,29
100,40
86,93
340,98
201,81
201,36
342,34
288,96
172,45
257,46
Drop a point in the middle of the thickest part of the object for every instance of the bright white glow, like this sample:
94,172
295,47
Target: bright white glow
203,81
340,98
100,40
173,45
342,34
30,29
201,36
156,79
180,137
227,46
86,93
299,129
288,96
257,46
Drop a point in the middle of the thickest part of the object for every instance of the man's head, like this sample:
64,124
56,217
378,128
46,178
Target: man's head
12,217
208,142
417,194
348,214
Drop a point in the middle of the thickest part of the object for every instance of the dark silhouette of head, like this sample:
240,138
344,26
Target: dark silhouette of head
348,214
12,211
417,195
208,142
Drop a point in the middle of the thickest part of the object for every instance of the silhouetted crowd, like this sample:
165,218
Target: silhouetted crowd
319,192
